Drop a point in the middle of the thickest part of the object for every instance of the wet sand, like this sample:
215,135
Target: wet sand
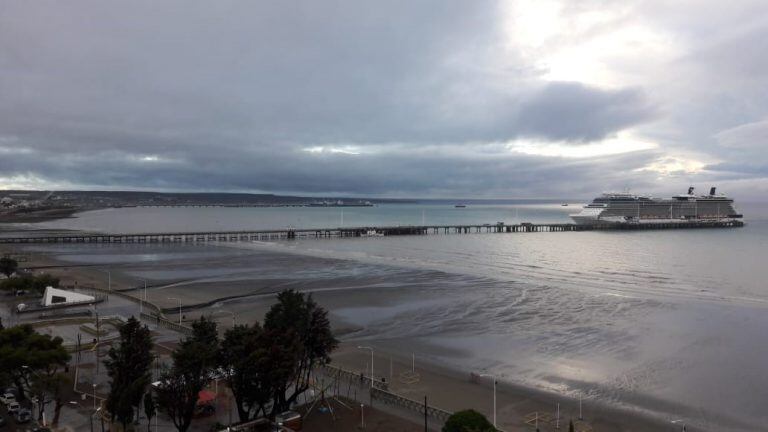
350,291
454,390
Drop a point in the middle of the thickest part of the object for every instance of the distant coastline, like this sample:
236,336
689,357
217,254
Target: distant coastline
27,206
35,215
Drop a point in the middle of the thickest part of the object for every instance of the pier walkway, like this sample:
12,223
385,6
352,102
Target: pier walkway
291,233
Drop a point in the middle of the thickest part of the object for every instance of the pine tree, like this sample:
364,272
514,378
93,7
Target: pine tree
193,361
128,367
297,318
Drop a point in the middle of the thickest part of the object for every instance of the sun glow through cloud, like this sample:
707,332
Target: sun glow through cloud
594,46
675,166
347,150
623,143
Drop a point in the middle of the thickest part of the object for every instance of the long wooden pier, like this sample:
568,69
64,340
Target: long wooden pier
290,233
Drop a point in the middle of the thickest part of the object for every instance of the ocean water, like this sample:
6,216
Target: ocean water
671,323
176,219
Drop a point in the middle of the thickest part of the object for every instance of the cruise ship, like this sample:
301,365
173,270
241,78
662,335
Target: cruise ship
626,208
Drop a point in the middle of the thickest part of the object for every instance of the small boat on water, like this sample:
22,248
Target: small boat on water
564,204
460,206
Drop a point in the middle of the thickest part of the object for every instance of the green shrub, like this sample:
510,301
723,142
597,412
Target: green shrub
468,421
35,284
8,266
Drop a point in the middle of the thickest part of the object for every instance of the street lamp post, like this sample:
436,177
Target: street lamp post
494,396
94,396
370,349
91,418
174,298
143,299
109,279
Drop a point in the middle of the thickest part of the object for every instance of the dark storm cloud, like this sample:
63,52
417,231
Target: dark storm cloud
422,173
230,95
573,111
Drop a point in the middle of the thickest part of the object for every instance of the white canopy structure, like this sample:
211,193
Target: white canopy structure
54,296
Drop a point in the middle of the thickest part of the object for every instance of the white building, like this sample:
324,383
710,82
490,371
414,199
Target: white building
55,296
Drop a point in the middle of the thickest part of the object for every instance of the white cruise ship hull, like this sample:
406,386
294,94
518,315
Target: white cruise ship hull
624,208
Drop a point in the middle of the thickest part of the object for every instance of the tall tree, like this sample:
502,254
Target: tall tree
193,362
25,354
149,409
8,266
298,316
258,365
47,389
279,360
128,369
238,359
60,385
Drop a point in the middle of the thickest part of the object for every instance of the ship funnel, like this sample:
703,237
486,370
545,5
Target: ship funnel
690,190
712,191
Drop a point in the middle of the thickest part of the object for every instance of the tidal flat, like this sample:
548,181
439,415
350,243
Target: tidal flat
634,359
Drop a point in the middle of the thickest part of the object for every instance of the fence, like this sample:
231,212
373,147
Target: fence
165,323
409,404
157,317
339,373
252,425
147,304
380,391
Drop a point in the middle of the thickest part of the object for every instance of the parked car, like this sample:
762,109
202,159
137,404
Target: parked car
23,415
13,407
2,421
7,398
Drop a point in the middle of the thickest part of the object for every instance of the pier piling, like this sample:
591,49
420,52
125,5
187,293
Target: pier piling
293,233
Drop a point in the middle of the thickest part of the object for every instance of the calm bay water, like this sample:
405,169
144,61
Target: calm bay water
175,219
667,322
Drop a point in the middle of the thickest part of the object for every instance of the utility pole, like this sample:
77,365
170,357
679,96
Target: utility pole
98,341
142,300
371,350
494,395
425,413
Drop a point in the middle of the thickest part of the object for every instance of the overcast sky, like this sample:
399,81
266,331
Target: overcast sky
385,98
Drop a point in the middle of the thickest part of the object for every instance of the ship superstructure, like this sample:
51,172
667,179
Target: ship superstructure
611,208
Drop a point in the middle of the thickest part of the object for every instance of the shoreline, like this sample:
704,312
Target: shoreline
441,381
